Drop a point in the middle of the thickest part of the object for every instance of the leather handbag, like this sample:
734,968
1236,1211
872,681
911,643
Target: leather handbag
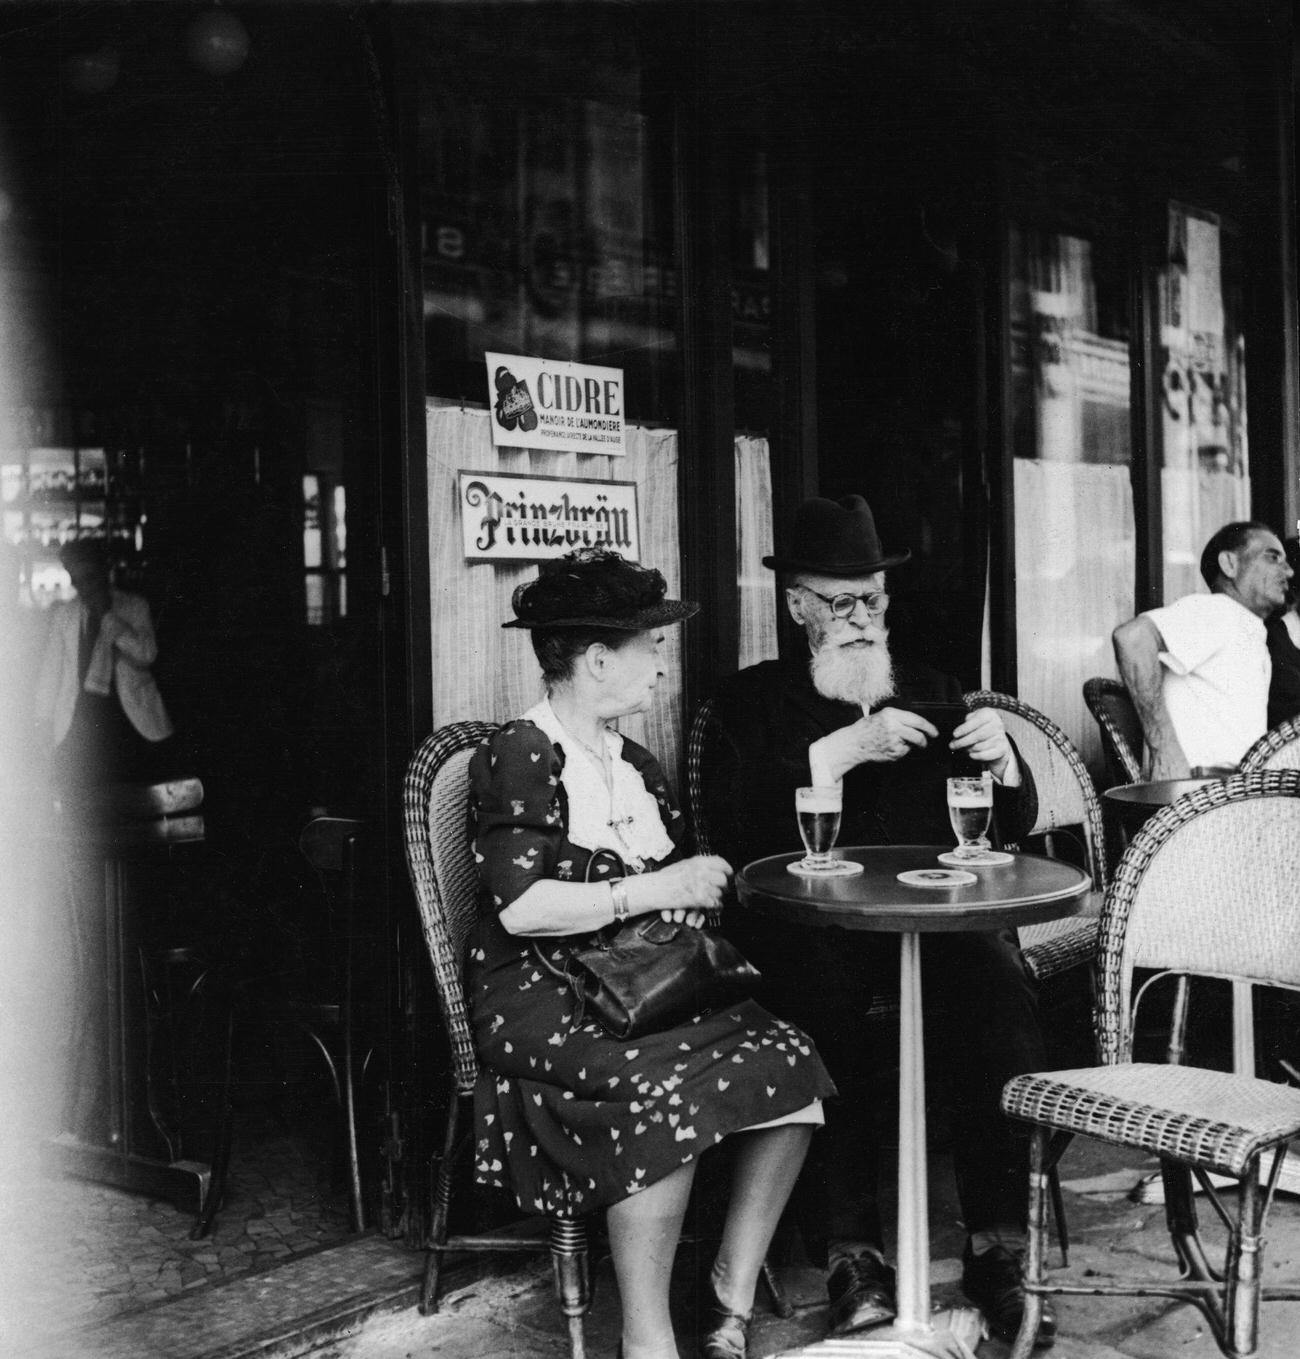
649,974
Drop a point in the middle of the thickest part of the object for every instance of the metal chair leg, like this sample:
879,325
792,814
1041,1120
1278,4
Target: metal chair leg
1245,1258
225,1132
441,1209
1058,1215
1037,1248
570,1263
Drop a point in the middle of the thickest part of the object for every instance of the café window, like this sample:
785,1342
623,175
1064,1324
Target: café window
1075,544
546,203
1205,459
324,549
547,232
54,488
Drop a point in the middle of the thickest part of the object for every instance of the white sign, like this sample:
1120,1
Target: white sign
506,518
573,407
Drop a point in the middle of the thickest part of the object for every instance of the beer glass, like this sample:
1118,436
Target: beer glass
818,810
970,808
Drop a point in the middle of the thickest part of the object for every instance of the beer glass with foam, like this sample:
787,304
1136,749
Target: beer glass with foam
970,808
818,810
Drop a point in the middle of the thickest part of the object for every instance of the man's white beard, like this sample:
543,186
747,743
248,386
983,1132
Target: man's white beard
853,674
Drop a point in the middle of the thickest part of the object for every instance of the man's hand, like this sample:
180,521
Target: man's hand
881,738
983,737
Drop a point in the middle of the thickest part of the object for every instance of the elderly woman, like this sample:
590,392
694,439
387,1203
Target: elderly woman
584,1120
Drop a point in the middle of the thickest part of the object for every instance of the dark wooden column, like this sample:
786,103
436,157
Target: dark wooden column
1272,361
794,341
1146,377
706,422
794,450
999,467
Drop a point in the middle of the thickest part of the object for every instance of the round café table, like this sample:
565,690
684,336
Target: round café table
1134,803
1028,889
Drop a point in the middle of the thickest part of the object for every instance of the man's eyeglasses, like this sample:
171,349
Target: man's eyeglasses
842,606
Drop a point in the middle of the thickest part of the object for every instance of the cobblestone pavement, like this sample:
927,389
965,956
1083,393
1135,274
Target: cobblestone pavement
90,1252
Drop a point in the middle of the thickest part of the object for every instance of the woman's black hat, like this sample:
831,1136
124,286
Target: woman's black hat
835,538
596,588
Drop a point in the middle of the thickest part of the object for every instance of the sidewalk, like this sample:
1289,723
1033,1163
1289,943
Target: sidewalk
515,1318
356,1301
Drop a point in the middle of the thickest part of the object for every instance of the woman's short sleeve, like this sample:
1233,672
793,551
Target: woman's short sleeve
518,821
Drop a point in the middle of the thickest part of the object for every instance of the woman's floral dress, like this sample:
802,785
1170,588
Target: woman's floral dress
568,1117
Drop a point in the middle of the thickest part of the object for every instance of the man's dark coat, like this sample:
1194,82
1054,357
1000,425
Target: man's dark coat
825,980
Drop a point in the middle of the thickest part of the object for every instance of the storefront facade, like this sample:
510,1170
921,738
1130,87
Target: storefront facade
1007,278
1022,274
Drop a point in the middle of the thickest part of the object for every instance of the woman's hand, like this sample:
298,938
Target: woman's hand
694,884
695,919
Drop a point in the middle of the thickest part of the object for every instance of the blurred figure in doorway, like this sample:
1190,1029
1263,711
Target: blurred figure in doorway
97,704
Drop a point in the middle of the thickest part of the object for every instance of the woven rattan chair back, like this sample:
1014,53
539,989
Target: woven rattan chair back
1207,887
703,733
1121,728
440,860
1276,749
1066,794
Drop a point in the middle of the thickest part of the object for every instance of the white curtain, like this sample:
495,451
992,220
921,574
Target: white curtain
753,543
1074,583
479,669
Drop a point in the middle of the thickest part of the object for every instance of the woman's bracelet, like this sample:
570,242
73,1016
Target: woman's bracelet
618,899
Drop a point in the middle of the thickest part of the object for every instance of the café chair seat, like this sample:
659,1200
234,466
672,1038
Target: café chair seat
1056,946
1213,1119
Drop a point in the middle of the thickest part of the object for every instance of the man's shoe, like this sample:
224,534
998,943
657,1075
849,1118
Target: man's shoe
994,1282
861,1289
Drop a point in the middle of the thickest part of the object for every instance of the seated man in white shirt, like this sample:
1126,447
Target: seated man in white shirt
1198,669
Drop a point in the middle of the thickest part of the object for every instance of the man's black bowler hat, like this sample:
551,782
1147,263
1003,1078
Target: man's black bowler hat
835,538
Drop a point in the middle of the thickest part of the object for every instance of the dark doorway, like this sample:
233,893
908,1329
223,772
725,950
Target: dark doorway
196,226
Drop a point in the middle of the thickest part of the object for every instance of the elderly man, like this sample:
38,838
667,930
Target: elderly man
1198,669
839,711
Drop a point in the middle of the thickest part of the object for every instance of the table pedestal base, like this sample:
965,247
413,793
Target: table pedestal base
952,1334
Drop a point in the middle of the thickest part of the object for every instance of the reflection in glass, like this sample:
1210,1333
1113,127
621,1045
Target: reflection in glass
1205,477
1074,505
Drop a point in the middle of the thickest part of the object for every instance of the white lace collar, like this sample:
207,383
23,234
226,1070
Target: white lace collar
625,819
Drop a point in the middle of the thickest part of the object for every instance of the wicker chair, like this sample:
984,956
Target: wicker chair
445,880
1206,887
1276,749
1066,798
1121,728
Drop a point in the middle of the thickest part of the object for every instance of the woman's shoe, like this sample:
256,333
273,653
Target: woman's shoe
724,1333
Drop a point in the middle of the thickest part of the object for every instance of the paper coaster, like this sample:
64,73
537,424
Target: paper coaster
839,868
986,858
936,877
